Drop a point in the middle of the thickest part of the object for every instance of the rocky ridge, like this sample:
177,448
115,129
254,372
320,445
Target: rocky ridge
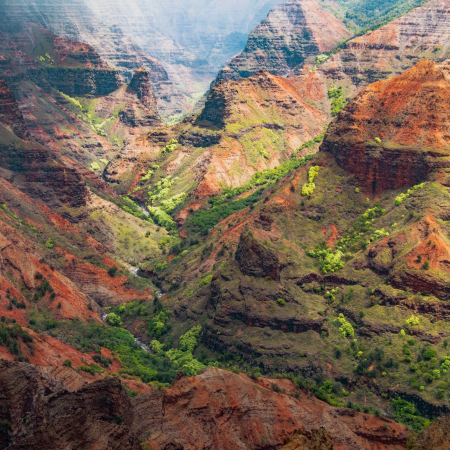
291,34
76,21
103,416
256,124
389,141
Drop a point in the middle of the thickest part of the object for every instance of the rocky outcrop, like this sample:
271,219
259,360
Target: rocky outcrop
393,48
38,411
255,259
140,83
291,33
392,134
55,408
226,411
310,440
34,170
246,126
81,82
10,115
135,115
77,69
98,285
436,437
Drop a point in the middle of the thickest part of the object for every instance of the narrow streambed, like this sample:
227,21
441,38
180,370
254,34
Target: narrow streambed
135,272
144,210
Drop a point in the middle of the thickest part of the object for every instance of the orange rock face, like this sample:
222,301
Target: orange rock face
226,411
393,134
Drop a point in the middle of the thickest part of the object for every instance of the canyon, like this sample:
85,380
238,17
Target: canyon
268,272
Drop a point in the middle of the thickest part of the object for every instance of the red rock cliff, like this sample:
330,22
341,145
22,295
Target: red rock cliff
394,133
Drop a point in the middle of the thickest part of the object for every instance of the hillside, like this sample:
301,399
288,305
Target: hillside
272,272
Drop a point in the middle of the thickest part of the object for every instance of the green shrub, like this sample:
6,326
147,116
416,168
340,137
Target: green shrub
346,327
67,363
170,147
309,188
189,340
331,260
159,324
402,197
112,271
103,361
206,280
162,218
412,321
50,243
114,320
93,369
337,100
281,302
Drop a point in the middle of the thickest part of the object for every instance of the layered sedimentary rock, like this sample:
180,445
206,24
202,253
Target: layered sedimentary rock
393,48
216,409
38,411
246,126
226,411
256,260
134,114
310,440
10,115
32,168
77,69
394,134
291,33
74,20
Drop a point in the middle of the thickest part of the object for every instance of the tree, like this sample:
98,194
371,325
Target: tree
114,320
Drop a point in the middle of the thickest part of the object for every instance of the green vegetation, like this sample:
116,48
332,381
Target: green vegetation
346,327
182,357
206,280
189,341
221,207
162,218
93,369
133,208
169,205
170,147
361,233
134,360
407,414
330,260
159,324
321,58
359,236
114,320
309,188
337,100
204,220
372,14
402,197
313,142
11,334
261,179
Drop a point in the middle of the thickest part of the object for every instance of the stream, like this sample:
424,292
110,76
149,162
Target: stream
135,272
144,210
